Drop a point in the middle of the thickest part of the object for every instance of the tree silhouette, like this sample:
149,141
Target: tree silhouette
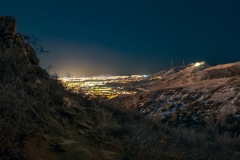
35,43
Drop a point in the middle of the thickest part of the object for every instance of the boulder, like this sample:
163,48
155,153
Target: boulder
17,57
7,30
18,41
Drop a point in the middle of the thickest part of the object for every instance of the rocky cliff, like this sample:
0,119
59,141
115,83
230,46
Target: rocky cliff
9,39
17,57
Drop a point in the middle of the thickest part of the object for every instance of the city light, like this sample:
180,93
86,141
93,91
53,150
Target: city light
102,86
197,64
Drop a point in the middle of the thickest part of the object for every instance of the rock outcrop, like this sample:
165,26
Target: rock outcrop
17,56
8,29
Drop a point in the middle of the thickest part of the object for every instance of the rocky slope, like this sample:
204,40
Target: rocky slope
192,96
39,119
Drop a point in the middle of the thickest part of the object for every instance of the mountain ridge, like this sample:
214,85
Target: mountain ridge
191,95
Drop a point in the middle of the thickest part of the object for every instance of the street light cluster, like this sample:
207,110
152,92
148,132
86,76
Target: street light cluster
101,86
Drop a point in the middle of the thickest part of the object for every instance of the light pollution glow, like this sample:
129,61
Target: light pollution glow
90,60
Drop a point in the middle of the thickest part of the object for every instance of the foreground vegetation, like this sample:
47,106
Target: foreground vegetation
43,121
39,119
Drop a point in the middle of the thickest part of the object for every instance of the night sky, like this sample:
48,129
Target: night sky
122,37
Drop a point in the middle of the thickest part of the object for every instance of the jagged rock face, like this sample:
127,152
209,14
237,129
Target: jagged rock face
16,54
10,39
7,28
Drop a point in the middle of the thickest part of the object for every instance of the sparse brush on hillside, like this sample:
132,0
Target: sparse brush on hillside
33,119
137,138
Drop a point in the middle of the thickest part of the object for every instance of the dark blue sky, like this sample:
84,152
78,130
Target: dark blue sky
92,37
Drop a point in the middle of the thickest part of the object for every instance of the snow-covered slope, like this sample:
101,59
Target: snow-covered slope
192,96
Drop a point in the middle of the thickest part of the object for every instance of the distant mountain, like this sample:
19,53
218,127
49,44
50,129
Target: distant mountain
192,96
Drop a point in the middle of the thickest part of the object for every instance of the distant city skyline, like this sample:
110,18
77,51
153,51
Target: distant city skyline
125,37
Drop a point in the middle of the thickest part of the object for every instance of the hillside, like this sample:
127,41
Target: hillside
192,96
40,120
